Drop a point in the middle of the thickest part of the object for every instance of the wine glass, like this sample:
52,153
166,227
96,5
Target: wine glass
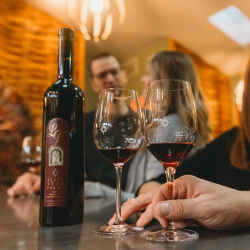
30,156
170,127
118,136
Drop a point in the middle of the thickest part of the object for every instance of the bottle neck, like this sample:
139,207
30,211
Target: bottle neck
65,53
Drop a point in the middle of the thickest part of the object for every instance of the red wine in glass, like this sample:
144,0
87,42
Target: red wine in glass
170,128
170,154
118,155
30,156
31,166
118,136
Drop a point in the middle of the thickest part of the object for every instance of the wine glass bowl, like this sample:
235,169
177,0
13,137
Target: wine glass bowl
170,127
118,136
30,156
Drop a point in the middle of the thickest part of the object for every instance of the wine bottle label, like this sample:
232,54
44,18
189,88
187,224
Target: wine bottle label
56,164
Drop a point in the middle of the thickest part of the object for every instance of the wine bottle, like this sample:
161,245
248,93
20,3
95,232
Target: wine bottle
62,175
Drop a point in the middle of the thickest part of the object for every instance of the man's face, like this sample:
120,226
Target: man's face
107,73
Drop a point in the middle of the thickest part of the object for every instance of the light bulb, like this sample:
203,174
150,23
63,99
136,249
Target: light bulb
96,5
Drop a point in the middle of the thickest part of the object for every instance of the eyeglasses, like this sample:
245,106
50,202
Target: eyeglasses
104,74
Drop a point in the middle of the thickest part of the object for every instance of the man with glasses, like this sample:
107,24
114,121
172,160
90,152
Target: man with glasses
106,72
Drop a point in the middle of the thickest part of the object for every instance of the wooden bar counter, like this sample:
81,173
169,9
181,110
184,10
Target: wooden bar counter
20,229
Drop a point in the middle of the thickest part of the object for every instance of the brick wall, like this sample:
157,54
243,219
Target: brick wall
29,48
216,91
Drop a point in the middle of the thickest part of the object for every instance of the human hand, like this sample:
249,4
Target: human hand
210,205
140,203
26,184
137,204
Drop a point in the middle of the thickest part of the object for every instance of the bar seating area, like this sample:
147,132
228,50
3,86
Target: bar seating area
29,65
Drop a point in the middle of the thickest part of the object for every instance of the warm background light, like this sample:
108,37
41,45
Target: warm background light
238,92
96,5
95,18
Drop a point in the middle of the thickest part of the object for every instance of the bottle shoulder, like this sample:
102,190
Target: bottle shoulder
65,87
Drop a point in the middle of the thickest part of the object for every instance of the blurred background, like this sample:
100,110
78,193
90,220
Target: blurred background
140,28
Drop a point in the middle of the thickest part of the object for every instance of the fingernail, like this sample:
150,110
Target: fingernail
164,208
140,223
10,192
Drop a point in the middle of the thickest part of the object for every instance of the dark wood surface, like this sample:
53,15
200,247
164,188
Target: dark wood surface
20,229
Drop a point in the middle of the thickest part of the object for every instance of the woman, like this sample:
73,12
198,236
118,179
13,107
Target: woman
226,160
176,65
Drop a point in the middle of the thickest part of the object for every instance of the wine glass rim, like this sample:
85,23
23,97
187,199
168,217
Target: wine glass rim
110,89
168,80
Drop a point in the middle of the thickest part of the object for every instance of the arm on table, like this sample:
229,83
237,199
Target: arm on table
27,183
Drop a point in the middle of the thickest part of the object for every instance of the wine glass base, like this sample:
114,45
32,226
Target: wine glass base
168,235
117,230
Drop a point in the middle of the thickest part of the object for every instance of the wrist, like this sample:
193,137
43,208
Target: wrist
244,206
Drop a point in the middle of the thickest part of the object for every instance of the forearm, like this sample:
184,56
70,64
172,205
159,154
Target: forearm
242,208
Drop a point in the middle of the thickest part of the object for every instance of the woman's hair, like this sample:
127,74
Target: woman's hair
241,145
177,65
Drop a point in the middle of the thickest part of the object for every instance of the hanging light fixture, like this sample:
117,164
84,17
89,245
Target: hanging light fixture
94,18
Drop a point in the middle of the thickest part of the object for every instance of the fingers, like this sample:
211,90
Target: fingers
37,185
164,192
19,188
27,183
132,206
183,223
180,211
10,192
146,217
169,211
176,202
173,209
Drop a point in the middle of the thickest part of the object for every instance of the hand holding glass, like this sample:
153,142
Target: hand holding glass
170,129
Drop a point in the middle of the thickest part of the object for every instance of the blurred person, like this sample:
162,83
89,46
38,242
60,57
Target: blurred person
15,124
225,161
175,65
106,72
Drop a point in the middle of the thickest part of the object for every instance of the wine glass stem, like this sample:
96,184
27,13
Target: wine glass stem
118,220
170,173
